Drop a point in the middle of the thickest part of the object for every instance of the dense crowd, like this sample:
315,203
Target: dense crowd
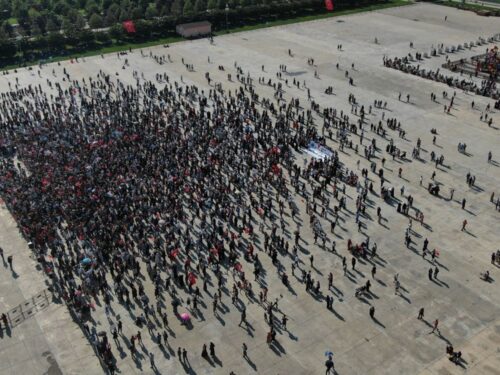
113,183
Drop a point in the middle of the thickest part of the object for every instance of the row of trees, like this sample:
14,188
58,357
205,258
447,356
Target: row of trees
74,36
39,17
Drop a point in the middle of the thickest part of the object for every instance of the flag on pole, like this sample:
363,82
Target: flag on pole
329,5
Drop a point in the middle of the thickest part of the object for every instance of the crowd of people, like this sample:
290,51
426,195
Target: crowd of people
154,194
485,87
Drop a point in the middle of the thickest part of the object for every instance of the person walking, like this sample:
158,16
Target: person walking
435,326
330,367
464,224
243,318
152,361
372,312
9,260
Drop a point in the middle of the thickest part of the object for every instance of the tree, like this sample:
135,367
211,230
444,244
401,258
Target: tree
61,8
55,41
137,13
69,30
7,29
177,7
164,11
151,11
116,32
86,37
103,37
112,14
92,7
143,4
124,15
95,21
143,29
7,49
72,15
200,6
35,28
188,7
212,4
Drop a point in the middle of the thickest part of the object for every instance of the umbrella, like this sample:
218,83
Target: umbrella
328,353
86,261
185,317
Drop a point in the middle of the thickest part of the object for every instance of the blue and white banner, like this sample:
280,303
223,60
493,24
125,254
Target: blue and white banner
318,151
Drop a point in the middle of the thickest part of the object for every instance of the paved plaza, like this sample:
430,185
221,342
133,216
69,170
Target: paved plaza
394,341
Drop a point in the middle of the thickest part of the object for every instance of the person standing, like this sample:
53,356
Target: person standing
372,312
421,313
5,320
284,320
9,260
179,353
464,224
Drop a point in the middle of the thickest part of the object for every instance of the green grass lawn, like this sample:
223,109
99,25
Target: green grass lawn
12,21
117,47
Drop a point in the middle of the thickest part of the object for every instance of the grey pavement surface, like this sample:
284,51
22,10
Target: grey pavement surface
396,342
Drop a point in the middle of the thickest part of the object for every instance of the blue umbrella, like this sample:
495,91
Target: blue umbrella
86,261
328,353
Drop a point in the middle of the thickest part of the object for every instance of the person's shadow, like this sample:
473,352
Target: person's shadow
217,360
252,364
378,322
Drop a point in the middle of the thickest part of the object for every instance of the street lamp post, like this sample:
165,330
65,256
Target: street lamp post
227,12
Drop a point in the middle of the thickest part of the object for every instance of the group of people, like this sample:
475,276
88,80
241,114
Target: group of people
485,87
146,195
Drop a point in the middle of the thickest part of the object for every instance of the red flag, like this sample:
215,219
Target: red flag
129,26
329,5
